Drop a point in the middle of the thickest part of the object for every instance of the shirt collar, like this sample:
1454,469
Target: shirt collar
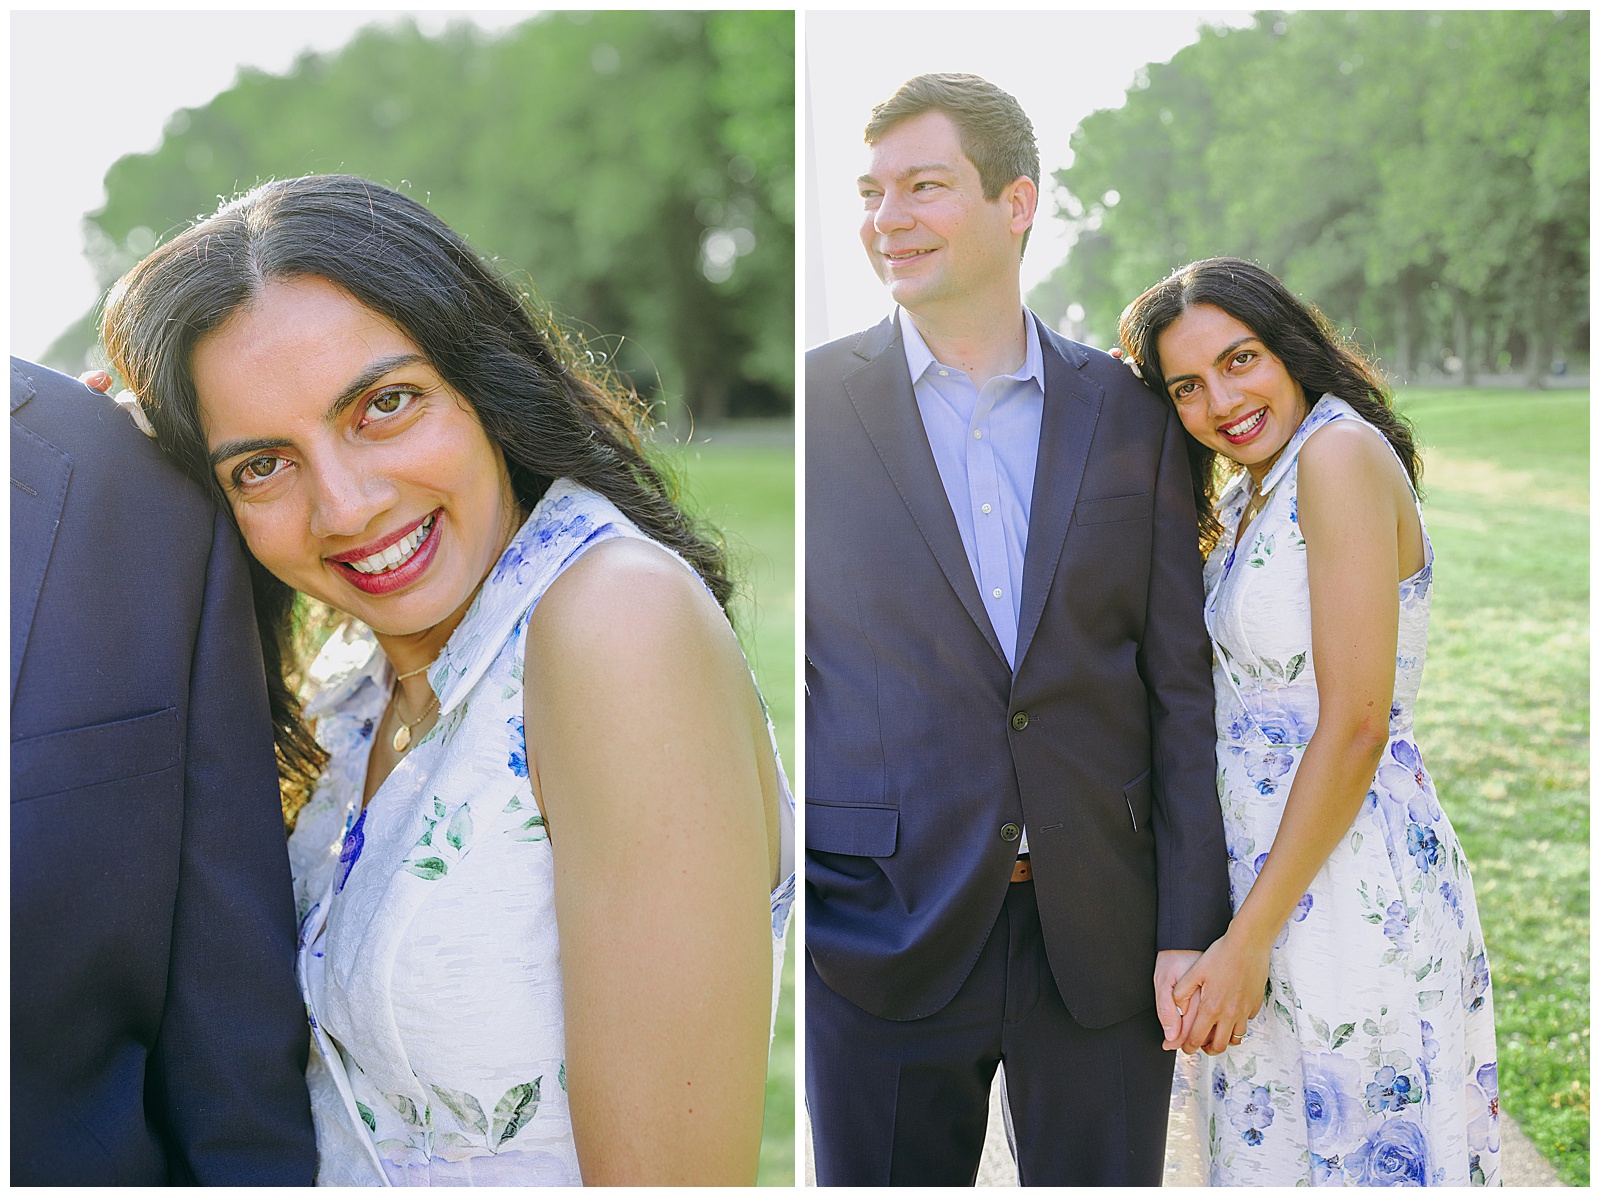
919,357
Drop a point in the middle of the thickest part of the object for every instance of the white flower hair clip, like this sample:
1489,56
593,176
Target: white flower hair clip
129,402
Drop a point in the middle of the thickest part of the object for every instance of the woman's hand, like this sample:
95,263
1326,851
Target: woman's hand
96,380
1222,992
1116,352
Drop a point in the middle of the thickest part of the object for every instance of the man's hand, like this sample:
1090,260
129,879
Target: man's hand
1170,968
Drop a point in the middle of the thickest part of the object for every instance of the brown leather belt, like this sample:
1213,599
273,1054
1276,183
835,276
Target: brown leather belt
1022,870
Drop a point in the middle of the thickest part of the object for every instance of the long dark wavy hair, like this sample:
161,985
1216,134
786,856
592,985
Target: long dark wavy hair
1316,355
551,410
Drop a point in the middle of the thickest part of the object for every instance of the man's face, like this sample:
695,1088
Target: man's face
929,232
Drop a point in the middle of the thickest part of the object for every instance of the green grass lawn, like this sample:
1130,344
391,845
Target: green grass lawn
1503,721
746,492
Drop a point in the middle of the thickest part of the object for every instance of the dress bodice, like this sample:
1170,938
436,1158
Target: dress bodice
1258,608
429,958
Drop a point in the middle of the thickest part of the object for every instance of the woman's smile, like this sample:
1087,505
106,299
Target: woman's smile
395,561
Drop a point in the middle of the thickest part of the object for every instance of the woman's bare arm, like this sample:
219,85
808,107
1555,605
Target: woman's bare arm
641,753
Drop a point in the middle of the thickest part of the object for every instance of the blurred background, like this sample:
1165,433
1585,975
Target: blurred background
1424,178
635,170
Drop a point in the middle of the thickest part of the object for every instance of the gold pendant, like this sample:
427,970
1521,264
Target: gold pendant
402,738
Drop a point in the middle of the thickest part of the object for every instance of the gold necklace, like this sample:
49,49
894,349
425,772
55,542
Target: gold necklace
402,736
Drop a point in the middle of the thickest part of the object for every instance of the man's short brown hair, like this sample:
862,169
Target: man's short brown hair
996,135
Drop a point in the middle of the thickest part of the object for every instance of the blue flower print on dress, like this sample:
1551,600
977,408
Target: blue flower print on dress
1423,845
1430,1051
1390,1090
1483,1131
1402,774
1336,1116
1265,770
1250,1111
1452,897
1395,1154
518,760
1396,926
1325,1171
1476,980
350,851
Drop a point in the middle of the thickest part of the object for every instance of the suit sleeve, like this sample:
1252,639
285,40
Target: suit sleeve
1175,658
230,1064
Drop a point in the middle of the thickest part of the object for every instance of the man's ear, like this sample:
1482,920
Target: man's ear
1022,198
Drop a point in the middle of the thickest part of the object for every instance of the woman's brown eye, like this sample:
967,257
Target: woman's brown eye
262,467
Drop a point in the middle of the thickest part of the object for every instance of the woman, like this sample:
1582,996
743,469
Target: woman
545,865
1346,1012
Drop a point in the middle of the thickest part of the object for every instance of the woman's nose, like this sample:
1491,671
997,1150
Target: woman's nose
348,498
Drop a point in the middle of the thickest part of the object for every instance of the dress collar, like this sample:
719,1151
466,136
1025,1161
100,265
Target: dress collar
1326,409
566,519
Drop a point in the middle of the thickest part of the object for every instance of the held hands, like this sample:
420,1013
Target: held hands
1170,967
1219,994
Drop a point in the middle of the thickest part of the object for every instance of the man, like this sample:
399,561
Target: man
1011,812
156,1033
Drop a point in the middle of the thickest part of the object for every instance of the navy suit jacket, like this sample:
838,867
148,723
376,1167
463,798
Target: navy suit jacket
157,1036
924,749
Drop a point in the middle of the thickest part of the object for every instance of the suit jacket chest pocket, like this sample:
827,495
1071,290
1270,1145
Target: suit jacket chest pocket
83,757
1116,509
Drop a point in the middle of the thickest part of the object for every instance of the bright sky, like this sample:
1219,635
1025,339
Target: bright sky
89,87
1060,66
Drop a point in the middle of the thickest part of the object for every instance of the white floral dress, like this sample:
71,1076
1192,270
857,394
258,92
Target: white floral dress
1372,1061
428,956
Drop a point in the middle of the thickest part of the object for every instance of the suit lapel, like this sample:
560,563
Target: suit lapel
39,475
880,390
1071,410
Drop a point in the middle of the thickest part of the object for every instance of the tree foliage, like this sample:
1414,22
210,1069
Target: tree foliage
1423,176
635,169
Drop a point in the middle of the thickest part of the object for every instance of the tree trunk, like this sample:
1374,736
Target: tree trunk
1407,326
1463,335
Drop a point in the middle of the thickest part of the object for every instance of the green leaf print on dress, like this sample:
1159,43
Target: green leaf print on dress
515,1110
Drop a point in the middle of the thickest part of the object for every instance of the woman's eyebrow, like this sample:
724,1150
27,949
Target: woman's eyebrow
375,370
1216,361
353,390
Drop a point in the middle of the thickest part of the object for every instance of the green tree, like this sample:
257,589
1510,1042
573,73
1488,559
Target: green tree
1423,176
636,168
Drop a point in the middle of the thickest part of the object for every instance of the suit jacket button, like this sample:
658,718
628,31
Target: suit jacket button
1019,720
1010,833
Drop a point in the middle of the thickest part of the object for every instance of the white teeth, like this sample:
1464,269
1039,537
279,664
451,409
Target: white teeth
1248,426
396,554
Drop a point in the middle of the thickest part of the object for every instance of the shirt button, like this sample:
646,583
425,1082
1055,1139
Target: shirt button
1010,833
997,592
1019,720
977,434
944,374
986,509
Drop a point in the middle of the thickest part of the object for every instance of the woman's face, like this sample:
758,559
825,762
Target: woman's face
356,474
1232,393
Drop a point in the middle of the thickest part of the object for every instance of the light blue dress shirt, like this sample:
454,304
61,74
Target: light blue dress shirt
986,445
